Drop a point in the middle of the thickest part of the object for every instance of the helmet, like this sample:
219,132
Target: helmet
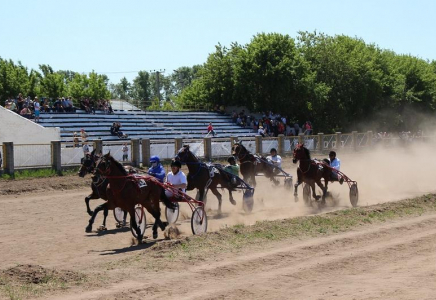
176,163
154,158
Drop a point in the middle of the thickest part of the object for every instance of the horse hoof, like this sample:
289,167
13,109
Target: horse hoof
118,225
233,201
154,235
102,228
88,229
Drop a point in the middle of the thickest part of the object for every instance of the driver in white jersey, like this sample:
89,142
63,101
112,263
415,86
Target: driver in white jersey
274,158
176,177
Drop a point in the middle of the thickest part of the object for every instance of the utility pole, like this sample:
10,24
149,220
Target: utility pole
157,73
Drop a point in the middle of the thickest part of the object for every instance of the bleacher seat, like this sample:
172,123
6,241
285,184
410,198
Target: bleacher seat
140,124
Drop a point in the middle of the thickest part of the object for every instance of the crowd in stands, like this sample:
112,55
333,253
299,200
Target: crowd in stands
271,125
30,109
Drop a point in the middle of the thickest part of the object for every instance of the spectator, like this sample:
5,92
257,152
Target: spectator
20,102
26,113
308,128
261,131
125,150
37,108
76,140
296,129
210,129
85,149
83,135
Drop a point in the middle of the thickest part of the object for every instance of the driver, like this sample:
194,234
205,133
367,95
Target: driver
335,163
274,158
176,177
156,168
232,168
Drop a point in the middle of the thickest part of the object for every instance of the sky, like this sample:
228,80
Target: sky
121,37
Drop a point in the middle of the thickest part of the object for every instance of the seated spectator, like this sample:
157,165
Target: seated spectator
84,135
307,128
76,140
261,131
57,107
26,113
115,130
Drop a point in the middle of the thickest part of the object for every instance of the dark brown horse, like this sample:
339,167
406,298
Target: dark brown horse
199,176
98,185
251,165
310,172
124,192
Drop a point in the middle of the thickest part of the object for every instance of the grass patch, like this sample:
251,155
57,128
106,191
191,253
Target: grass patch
37,173
237,237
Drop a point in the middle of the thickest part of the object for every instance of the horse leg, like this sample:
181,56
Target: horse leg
88,208
94,214
124,218
324,190
157,221
312,186
105,213
219,197
132,213
231,197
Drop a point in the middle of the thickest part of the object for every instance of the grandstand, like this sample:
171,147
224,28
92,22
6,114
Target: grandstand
140,124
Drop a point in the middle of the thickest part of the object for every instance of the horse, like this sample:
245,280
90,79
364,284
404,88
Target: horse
98,185
310,171
124,192
203,177
251,165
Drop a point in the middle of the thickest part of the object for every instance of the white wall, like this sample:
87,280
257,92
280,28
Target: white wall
19,130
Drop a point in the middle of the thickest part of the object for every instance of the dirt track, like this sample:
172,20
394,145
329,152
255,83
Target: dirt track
391,261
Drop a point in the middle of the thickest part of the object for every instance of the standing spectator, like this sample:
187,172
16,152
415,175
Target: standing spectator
37,108
210,129
20,102
308,128
84,135
125,150
85,149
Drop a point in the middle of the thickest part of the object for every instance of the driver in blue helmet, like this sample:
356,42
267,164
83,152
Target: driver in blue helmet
156,168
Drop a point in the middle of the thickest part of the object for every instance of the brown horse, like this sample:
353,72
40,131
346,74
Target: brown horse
124,192
98,185
199,176
251,165
310,172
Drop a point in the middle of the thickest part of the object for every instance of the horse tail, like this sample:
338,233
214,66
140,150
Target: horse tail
165,199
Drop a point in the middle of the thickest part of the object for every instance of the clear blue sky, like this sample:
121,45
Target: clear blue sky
130,35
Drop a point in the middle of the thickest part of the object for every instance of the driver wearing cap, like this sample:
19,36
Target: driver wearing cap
156,168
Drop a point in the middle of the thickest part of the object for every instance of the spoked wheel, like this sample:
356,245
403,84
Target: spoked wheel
197,197
199,220
248,201
140,220
172,214
354,194
119,216
306,194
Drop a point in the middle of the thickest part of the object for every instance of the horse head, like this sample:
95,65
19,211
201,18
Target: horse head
185,155
300,153
88,163
108,165
239,150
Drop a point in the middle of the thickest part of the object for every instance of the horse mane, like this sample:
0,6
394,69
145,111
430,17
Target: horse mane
117,164
307,152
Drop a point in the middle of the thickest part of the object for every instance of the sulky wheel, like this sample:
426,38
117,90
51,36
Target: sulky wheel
248,201
119,216
354,194
306,194
140,220
172,214
288,183
199,220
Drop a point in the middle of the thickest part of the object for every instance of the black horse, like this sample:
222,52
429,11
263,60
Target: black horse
310,171
204,177
251,165
98,185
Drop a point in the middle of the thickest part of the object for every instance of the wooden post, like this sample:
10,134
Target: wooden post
301,138
178,144
98,146
258,141
281,144
56,162
354,140
207,144
146,152
338,140
370,137
8,158
135,152
321,141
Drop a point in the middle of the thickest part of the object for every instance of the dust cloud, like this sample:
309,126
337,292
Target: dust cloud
383,174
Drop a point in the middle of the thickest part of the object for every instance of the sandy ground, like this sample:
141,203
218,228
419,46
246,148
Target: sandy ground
392,261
